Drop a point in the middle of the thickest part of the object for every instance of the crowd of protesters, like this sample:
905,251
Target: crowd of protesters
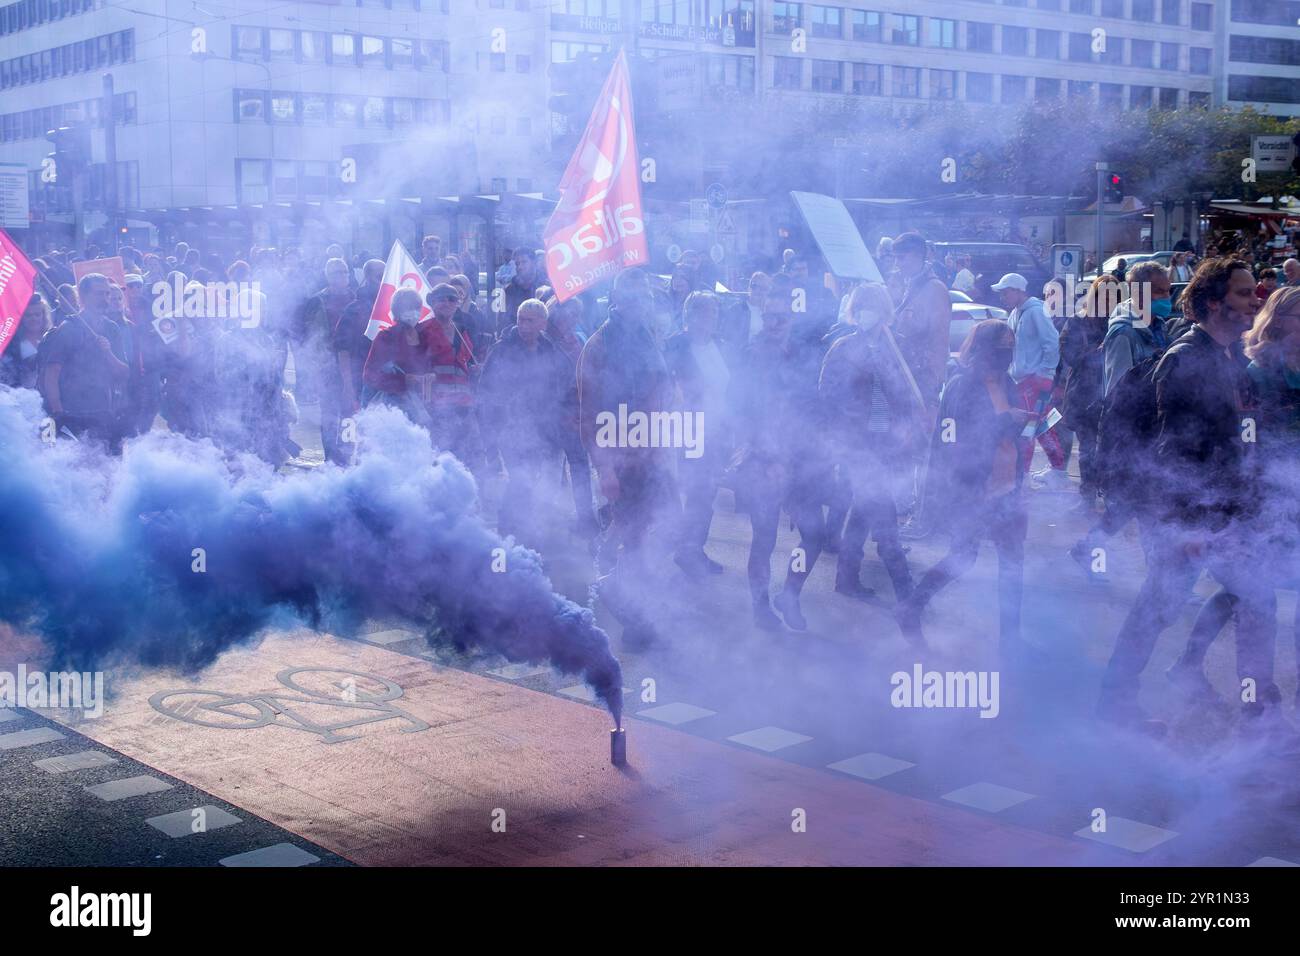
845,411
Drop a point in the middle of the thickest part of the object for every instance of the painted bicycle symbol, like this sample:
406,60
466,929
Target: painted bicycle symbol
368,697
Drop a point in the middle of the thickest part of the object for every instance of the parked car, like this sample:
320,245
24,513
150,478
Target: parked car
965,313
1131,259
990,261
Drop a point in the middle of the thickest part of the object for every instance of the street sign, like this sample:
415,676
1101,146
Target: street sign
716,196
726,224
680,82
837,236
1272,154
699,216
1067,261
15,212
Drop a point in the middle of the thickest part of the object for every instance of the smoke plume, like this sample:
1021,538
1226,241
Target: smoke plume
100,558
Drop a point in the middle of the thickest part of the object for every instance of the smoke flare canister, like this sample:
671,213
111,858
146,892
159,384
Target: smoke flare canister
618,747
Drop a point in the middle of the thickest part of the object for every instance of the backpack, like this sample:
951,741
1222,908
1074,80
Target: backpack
1129,427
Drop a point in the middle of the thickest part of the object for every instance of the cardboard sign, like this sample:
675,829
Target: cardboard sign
112,268
837,237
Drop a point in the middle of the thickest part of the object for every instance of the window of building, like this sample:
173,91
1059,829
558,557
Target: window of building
1111,96
373,111
251,177
1198,58
281,44
867,26
250,106
1141,53
904,29
866,79
284,108
979,37
1081,47
315,180
1144,11
943,33
786,17
1047,89
1263,89
315,109
827,76
1015,41
943,84
1015,89
1169,56
787,72
1048,4
433,55
979,87
1274,50
1079,91
827,22
284,179
1198,100
1047,44
1112,8
1112,52
313,46
372,52
906,81
347,111
1081,6
247,43
1202,16
1139,97
1168,99
343,48
1171,12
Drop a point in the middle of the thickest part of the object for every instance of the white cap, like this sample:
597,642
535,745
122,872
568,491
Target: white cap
1012,280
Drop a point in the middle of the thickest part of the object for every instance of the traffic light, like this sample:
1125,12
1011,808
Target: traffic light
71,156
1114,188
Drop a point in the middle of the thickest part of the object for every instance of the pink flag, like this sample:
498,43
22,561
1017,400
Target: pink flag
597,227
400,272
17,282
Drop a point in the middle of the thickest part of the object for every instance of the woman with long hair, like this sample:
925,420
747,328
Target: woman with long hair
977,457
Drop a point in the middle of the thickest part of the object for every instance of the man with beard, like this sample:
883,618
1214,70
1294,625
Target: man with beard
622,373
1207,514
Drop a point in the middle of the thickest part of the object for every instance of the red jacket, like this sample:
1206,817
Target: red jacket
392,358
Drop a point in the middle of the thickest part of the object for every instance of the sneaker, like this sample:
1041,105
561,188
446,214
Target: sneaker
1052,479
787,604
765,619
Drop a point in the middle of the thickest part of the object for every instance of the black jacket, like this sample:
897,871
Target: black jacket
1084,370
962,466
1202,459
526,397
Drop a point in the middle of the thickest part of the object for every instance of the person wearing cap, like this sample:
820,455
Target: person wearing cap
1033,368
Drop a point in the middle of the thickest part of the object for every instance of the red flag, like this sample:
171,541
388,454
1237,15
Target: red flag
17,283
598,227
400,272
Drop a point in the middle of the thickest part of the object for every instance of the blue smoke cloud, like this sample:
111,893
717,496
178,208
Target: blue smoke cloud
97,554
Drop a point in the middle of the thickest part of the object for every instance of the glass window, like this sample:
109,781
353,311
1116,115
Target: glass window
1112,52
523,63
280,44
1141,53
1171,12
1199,60
433,55
1168,56
1081,6
979,37
1079,90
1197,100
827,22
866,79
1047,89
316,179
1015,41
1014,89
785,16
943,84
827,76
373,111
943,33
248,43
1112,8
787,72
906,81
979,87
347,111
250,106
904,29
1081,47
1202,16
284,184
1144,11
1047,44
250,179
1111,96
866,26
403,53
343,48
1168,98
403,111
372,52
283,108
1139,97
315,109
313,46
